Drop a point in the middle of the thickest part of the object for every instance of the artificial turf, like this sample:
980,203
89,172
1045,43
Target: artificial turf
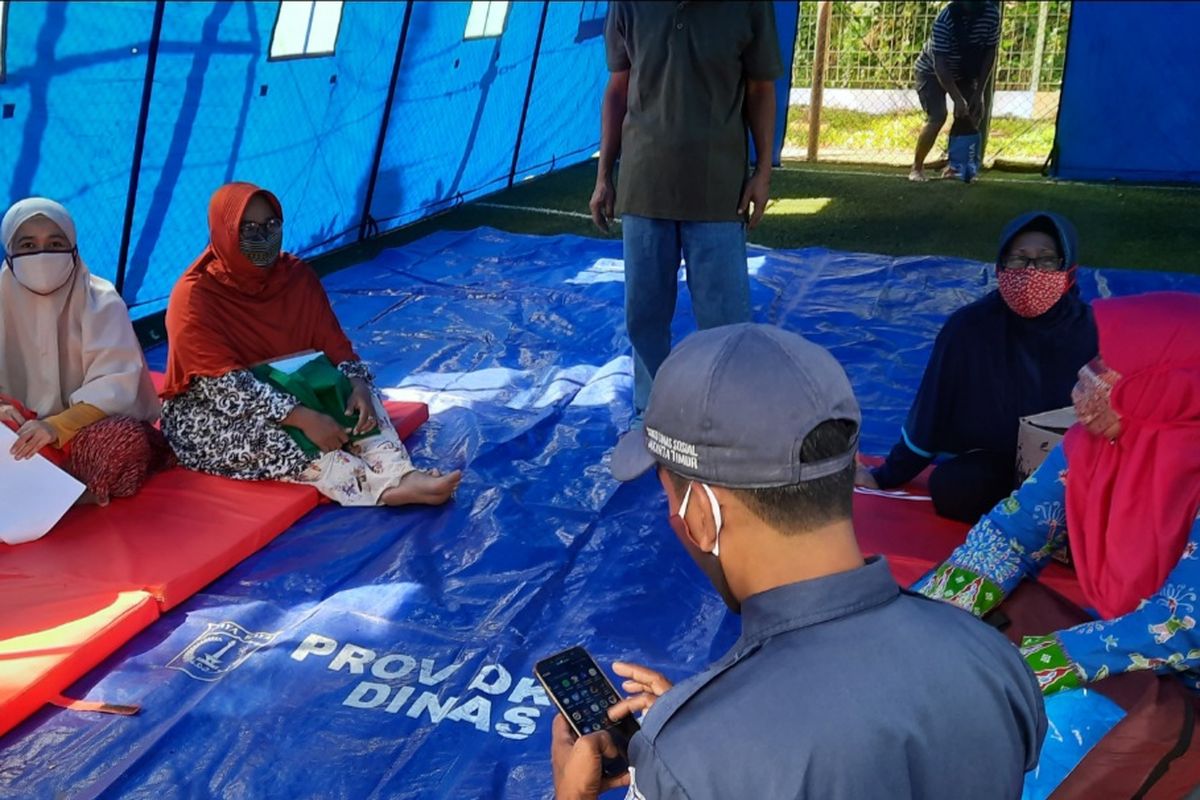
875,209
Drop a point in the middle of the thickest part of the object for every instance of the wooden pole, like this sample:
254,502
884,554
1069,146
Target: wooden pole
820,57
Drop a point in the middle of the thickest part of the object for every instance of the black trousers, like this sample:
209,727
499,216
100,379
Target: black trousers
968,486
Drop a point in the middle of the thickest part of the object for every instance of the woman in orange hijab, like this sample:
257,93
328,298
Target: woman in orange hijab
244,303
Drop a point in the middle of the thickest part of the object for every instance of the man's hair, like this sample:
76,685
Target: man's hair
811,504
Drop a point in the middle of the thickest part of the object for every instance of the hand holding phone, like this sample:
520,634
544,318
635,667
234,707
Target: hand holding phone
583,695
578,763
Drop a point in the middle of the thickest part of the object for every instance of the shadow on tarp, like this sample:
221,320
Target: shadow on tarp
388,653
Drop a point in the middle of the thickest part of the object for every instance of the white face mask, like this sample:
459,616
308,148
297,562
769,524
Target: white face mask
43,273
718,523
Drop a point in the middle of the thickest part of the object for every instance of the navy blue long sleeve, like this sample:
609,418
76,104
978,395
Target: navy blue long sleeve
989,367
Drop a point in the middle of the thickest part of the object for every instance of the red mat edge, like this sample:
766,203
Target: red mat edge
407,417
17,707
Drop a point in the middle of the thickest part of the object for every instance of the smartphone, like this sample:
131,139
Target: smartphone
583,693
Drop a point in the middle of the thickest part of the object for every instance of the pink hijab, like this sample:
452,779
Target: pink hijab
1131,503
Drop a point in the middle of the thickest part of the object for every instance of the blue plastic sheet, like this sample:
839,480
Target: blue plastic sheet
388,653
1079,718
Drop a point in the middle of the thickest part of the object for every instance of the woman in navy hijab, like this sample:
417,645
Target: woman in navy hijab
1013,353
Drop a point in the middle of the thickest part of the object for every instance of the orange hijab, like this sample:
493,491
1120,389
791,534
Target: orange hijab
227,314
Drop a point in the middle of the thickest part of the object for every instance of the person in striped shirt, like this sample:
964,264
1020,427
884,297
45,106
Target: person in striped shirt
956,60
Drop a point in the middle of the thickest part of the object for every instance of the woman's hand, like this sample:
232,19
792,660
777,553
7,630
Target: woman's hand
322,429
863,477
32,436
362,405
10,414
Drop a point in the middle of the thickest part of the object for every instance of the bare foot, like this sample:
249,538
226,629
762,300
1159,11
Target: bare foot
949,173
917,175
422,488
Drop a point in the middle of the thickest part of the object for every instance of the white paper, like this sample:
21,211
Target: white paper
291,364
894,494
34,494
1057,420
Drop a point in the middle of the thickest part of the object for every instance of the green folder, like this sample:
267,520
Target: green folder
318,385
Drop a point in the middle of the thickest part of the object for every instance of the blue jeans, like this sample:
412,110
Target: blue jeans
716,276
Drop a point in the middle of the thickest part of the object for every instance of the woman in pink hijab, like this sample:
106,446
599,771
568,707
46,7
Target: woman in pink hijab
1123,490
73,380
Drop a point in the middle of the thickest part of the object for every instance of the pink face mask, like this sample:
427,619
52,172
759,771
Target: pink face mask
1092,397
1032,292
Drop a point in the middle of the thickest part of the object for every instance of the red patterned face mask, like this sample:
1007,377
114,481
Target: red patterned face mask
1032,292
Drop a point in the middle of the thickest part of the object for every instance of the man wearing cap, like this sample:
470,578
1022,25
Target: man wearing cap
842,684
687,80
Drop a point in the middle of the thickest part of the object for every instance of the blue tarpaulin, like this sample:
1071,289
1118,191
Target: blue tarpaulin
388,653
1079,718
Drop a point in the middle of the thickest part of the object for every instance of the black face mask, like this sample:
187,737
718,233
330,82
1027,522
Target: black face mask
262,251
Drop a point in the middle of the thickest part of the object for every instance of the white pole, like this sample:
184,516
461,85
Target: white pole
1039,47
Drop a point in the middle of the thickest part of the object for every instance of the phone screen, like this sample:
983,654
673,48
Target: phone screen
583,693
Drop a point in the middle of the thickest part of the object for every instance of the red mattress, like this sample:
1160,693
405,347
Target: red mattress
70,599
915,539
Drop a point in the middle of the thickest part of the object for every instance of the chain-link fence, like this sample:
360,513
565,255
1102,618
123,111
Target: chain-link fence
870,111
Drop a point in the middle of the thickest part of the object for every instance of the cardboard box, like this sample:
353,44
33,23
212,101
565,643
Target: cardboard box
1038,435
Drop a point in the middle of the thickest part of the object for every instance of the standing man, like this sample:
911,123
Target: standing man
687,78
956,61
842,686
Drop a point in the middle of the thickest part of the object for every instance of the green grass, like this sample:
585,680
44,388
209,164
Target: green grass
857,135
849,208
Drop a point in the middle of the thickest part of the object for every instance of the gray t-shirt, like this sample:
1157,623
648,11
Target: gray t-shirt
684,144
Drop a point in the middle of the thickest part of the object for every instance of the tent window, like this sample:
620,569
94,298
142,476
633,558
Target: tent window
306,28
3,35
591,21
486,20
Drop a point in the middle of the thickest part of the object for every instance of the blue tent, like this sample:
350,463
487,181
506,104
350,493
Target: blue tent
367,116
1130,107
361,116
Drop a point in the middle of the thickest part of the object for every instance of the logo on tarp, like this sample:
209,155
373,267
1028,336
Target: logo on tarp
494,700
222,647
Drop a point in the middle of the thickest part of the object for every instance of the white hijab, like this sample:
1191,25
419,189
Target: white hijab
75,345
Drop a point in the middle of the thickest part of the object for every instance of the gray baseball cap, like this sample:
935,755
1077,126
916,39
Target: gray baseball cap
731,406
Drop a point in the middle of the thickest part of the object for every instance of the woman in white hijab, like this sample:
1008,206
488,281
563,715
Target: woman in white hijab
73,380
